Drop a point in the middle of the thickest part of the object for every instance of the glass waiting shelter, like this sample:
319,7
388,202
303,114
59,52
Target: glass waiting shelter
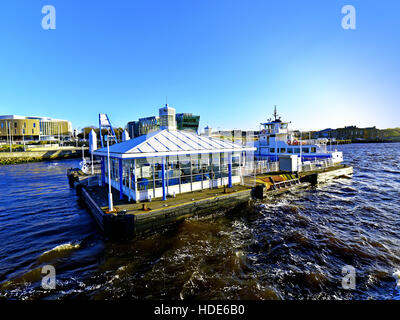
169,162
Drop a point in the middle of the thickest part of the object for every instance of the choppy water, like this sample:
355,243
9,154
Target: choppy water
291,247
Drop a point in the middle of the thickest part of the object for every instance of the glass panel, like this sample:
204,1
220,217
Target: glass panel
145,173
235,159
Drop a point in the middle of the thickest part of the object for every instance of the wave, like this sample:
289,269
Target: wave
58,251
391,171
31,276
396,276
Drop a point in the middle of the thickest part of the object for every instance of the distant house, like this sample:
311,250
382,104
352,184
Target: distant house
357,134
352,133
326,133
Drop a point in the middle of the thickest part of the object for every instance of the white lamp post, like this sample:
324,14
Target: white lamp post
110,199
9,131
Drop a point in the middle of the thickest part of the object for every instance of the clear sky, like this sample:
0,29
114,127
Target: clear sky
230,61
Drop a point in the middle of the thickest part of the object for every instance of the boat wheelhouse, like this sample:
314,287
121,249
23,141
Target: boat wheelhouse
276,139
169,162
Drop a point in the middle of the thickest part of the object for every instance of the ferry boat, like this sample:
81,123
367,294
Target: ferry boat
275,139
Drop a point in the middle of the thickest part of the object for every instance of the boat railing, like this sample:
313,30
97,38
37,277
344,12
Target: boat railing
260,167
316,165
307,142
265,166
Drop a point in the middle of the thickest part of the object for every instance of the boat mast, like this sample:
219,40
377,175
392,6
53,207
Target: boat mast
275,113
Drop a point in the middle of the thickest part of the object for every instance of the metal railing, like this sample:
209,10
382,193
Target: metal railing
265,166
315,165
260,167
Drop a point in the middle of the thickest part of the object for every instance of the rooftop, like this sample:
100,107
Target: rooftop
16,117
170,142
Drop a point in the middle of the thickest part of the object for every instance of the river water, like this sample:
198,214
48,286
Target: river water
293,246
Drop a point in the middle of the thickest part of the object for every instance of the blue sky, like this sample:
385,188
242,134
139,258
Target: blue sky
229,61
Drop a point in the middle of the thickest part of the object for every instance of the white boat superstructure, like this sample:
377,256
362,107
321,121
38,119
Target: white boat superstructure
276,139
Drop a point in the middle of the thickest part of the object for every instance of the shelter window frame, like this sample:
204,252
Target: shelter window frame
144,173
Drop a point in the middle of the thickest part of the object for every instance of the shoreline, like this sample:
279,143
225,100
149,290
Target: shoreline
10,158
355,142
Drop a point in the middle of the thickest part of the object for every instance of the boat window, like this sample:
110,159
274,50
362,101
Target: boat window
306,150
313,150
272,150
283,150
290,150
296,150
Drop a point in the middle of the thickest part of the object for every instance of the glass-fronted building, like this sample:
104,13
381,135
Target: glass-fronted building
18,128
169,162
183,121
187,121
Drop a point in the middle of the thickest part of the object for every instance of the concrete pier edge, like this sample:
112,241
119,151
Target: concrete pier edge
129,225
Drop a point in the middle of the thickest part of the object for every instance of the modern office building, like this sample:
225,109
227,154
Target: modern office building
183,121
18,128
143,126
188,122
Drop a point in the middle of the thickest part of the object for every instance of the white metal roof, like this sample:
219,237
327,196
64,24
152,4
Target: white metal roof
12,116
170,142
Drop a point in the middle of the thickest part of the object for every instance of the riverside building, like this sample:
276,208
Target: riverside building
170,161
18,128
184,121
